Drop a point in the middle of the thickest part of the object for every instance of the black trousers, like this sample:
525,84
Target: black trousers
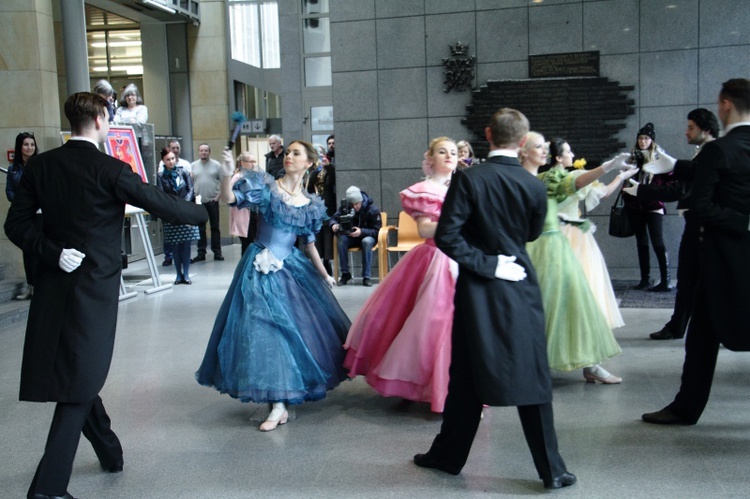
463,410
69,421
701,351
648,225
687,277
212,208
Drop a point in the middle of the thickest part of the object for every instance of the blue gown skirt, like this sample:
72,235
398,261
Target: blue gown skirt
278,337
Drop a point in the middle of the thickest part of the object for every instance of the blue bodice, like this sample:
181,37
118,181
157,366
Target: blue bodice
279,223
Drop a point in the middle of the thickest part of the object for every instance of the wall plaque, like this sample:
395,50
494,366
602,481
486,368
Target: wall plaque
570,64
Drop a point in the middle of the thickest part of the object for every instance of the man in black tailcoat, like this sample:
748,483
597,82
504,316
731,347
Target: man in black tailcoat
71,326
499,353
721,204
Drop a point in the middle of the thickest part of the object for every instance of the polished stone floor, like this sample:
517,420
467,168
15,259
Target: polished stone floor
185,440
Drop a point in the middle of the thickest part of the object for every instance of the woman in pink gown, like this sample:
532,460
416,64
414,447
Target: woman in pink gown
401,338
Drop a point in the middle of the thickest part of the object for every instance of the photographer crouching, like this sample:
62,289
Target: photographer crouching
356,223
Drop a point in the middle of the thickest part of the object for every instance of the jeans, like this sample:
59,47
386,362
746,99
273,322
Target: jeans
366,243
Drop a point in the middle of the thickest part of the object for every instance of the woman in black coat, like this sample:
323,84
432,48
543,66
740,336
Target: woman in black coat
26,148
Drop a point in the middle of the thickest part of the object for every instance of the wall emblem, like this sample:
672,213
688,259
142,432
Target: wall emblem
459,69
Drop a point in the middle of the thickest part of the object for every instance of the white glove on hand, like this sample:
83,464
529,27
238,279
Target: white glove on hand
70,259
664,164
227,163
619,162
626,174
633,189
508,270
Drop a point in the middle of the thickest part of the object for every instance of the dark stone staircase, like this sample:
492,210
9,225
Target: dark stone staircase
12,312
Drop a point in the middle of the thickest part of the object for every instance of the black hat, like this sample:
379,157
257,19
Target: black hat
648,129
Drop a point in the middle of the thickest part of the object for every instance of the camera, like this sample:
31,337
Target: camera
636,158
345,220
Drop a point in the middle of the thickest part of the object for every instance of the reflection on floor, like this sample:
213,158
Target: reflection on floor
185,440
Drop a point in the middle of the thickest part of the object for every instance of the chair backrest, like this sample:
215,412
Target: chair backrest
408,233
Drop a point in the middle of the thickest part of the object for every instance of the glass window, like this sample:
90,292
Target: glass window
314,7
318,71
254,33
269,16
243,30
321,118
114,45
316,35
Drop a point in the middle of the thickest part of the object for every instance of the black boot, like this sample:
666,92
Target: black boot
645,265
663,259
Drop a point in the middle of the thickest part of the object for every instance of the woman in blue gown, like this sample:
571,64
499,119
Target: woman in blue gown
279,334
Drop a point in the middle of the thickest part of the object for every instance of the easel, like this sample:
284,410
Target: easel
150,258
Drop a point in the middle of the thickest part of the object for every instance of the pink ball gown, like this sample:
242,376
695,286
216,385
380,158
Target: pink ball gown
401,338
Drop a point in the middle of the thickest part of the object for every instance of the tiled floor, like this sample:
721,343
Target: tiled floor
185,440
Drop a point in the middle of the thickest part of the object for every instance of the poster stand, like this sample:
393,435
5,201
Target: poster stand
150,258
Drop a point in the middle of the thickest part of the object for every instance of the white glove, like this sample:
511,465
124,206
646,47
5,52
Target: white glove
633,189
227,163
619,162
508,270
70,259
626,174
663,164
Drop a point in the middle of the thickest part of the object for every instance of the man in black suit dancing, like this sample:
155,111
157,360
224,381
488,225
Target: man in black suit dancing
721,203
702,128
499,352
71,327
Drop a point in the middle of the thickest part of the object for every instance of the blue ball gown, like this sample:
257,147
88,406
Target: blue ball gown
279,334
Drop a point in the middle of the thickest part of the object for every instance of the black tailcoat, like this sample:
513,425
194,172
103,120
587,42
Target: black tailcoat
71,327
490,209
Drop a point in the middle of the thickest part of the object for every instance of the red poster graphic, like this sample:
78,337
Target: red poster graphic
122,144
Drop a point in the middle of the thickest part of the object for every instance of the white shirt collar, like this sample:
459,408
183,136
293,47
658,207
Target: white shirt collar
510,153
735,125
79,137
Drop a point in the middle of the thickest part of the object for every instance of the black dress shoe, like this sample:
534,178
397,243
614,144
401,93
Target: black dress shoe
167,262
115,468
187,281
45,496
177,281
643,284
428,461
665,416
664,334
366,282
199,258
345,277
662,287
564,480
219,258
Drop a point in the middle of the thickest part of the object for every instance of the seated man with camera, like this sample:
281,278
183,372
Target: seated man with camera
356,223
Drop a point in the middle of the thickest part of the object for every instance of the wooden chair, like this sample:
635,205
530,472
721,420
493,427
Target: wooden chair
407,236
383,222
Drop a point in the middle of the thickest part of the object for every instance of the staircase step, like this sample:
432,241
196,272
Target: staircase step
10,288
13,312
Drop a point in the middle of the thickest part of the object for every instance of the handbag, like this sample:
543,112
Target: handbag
619,219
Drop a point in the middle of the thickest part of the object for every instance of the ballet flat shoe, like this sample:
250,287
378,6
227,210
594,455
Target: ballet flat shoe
269,425
593,378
